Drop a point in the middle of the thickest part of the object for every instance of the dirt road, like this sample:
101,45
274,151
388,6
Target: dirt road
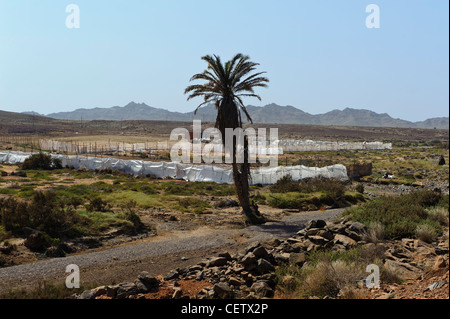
157,255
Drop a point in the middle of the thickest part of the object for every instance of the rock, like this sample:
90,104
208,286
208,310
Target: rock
227,203
217,262
318,240
225,255
439,263
338,228
354,235
223,290
440,160
297,258
262,289
252,247
260,252
264,267
325,234
282,257
177,293
344,240
146,282
126,289
315,224
88,294
111,291
248,259
357,227
148,279
235,281
312,231
173,274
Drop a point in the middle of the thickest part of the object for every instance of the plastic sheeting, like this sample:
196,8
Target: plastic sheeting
311,146
188,172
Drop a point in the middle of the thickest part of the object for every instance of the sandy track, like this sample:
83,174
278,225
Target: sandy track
157,256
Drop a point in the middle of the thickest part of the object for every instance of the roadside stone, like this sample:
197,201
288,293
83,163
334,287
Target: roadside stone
439,263
177,293
173,274
318,240
88,294
297,258
225,255
248,259
235,281
344,240
126,289
282,257
260,252
263,266
217,262
354,235
311,224
223,290
326,234
262,289
148,279
252,247
358,227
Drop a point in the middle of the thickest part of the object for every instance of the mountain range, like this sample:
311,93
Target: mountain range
271,113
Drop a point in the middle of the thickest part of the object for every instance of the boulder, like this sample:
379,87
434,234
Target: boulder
262,289
318,240
173,274
315,224
264,267
260,252
217,262
126,289
344,240
223,290
297,258
357,227
88,294
249,259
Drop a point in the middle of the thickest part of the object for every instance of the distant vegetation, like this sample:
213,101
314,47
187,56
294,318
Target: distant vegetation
309,194
421,213
41,161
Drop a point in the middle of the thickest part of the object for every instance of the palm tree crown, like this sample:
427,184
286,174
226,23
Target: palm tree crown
226,85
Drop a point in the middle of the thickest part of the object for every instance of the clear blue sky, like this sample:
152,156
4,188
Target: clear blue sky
318,55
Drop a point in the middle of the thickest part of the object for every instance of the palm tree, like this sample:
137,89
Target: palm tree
225,86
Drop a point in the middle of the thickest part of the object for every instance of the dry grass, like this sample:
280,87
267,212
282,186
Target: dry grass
425,233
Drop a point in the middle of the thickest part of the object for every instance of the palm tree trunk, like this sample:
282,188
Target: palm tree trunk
228,117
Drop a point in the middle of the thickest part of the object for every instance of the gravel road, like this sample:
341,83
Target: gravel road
183,243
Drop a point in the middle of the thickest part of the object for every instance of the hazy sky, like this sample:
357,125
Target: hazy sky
319,55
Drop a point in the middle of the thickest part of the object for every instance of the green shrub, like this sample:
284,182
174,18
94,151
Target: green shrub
399,215
44,212
98,205
41,161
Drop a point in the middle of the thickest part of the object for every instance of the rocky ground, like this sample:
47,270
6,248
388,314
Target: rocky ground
250,272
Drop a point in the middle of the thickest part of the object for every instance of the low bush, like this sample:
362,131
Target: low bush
44,212
400,216
41,161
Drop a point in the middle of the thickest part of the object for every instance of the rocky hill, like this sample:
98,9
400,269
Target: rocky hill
271,113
